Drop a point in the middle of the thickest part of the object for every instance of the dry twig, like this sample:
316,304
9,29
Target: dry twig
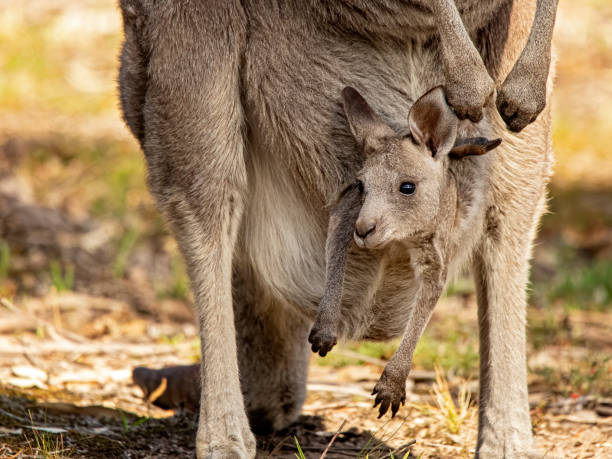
332,440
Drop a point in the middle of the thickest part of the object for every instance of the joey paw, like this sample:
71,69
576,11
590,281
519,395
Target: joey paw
390,392
322,340
520,99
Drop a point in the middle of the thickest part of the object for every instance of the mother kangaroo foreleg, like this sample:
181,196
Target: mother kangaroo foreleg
468,84
522,95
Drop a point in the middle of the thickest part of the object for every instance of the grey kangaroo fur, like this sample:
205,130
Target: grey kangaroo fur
237,107
405,198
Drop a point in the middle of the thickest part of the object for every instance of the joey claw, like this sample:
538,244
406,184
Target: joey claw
384,407
395,406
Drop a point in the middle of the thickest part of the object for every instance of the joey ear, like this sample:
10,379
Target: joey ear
473,146
367,127
432,122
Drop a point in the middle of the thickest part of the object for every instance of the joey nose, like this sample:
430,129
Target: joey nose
363,228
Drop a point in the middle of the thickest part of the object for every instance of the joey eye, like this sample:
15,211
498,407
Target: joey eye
360,186
407,188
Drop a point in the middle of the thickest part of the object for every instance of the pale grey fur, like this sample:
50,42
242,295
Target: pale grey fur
423,223
236,105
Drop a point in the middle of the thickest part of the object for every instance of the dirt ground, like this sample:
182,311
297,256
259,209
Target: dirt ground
67,392
92,285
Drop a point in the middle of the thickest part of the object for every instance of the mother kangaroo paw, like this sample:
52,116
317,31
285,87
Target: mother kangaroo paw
323,339
467,95
520,99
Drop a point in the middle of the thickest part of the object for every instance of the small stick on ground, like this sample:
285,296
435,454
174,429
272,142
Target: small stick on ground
332,440
158,392
279,446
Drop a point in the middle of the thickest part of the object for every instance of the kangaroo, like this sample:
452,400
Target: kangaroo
236,105
405,198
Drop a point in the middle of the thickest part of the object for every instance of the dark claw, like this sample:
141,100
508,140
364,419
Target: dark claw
377,400
510,116
394,408
510,119
384,407
515,127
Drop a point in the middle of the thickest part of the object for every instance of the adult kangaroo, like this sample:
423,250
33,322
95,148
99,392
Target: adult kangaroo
237,106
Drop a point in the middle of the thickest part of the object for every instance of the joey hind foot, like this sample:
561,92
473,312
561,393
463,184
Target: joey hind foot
322,338
468,90
521,98
390,391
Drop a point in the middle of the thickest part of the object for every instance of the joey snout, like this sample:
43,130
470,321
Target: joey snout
367,232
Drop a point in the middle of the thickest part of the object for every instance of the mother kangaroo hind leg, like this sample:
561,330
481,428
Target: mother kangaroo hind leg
501,274
193,142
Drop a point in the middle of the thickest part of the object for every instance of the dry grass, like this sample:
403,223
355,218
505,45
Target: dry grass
453,413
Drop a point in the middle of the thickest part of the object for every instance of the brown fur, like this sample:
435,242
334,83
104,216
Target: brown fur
236,105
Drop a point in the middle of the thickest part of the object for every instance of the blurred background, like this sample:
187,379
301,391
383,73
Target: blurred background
91,283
